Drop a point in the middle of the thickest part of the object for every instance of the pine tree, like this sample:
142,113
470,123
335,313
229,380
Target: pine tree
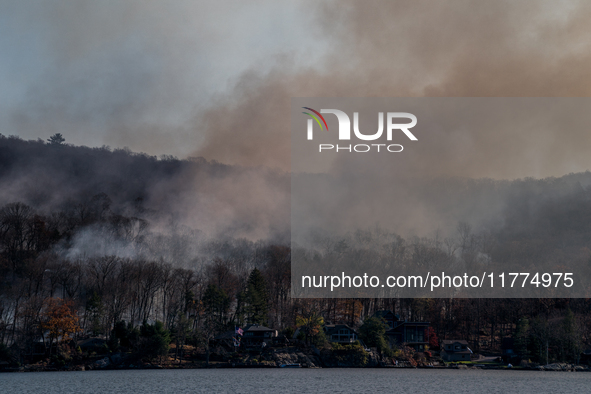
217,304
521,338
256,298
155,340
56,139
94,308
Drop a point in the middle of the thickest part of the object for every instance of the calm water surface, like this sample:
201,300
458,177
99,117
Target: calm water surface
296,381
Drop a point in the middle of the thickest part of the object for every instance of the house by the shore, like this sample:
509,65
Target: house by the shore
340,333
402,332
256,335
455,350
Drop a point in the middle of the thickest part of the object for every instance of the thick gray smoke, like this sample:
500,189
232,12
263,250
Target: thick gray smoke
418,49
191,79
422,48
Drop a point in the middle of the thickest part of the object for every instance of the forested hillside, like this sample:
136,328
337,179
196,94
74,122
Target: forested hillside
110,241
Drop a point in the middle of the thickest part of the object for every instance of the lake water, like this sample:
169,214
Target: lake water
296,381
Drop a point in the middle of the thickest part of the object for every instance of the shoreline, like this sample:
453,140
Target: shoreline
541,368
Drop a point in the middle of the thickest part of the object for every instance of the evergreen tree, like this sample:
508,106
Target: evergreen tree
373,333
127,336
521,338
94,308
155,340
217,304
56,139
256,298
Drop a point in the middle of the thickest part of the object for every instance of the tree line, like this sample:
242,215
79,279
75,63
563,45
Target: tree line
96,241
48,293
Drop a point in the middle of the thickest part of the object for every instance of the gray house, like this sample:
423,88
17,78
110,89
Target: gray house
455,350
409,333
255,335
340,333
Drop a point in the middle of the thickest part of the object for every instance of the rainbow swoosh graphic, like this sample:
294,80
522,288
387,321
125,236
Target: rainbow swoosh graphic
315,118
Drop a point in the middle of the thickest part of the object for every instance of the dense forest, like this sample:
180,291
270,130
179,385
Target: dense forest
130,247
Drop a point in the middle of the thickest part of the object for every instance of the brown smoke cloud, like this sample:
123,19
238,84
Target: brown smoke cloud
425,48
137,74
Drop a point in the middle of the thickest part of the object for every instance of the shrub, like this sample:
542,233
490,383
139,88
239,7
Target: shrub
155,340
373,333
353,354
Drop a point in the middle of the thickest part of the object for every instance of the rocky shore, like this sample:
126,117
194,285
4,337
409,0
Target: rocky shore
281,357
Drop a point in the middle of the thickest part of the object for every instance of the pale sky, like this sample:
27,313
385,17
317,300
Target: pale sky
138,73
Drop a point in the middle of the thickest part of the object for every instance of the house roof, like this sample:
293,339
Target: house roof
383,314
399,326
333,327
452,341
412,323
257,328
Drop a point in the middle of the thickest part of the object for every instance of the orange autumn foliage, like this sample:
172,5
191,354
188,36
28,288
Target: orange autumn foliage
60,319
